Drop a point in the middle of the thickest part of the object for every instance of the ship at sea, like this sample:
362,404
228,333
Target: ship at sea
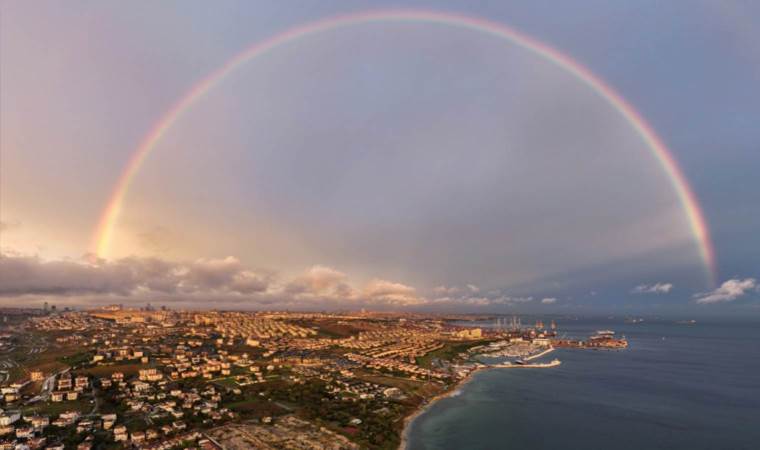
686,322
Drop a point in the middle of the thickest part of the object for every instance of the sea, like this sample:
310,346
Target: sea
677,386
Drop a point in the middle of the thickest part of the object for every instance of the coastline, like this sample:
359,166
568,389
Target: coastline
408,420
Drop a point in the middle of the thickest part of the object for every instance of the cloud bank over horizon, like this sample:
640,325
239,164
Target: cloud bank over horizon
228,283
227,279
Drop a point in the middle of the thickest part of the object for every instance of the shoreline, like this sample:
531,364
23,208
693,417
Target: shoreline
403,444
408,420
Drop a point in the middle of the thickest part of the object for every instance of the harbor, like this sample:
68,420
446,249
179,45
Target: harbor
599,386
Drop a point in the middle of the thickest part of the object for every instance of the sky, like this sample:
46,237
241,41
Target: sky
390,165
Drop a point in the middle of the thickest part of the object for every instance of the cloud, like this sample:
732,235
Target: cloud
728,291
226,279
331,287
506,300
30,275
657,288
447,290
319,280
461,301
471,294
228,282
323,277
390,292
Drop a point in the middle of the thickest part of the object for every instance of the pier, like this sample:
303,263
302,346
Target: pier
538,355
509,365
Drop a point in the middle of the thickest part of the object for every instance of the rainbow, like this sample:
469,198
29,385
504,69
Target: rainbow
103,235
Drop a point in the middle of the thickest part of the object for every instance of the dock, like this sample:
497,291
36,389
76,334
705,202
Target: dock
508,365
538,355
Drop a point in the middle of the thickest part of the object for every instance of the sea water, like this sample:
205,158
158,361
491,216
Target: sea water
677,386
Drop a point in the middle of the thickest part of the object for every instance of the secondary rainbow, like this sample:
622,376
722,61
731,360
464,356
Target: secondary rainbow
104,233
